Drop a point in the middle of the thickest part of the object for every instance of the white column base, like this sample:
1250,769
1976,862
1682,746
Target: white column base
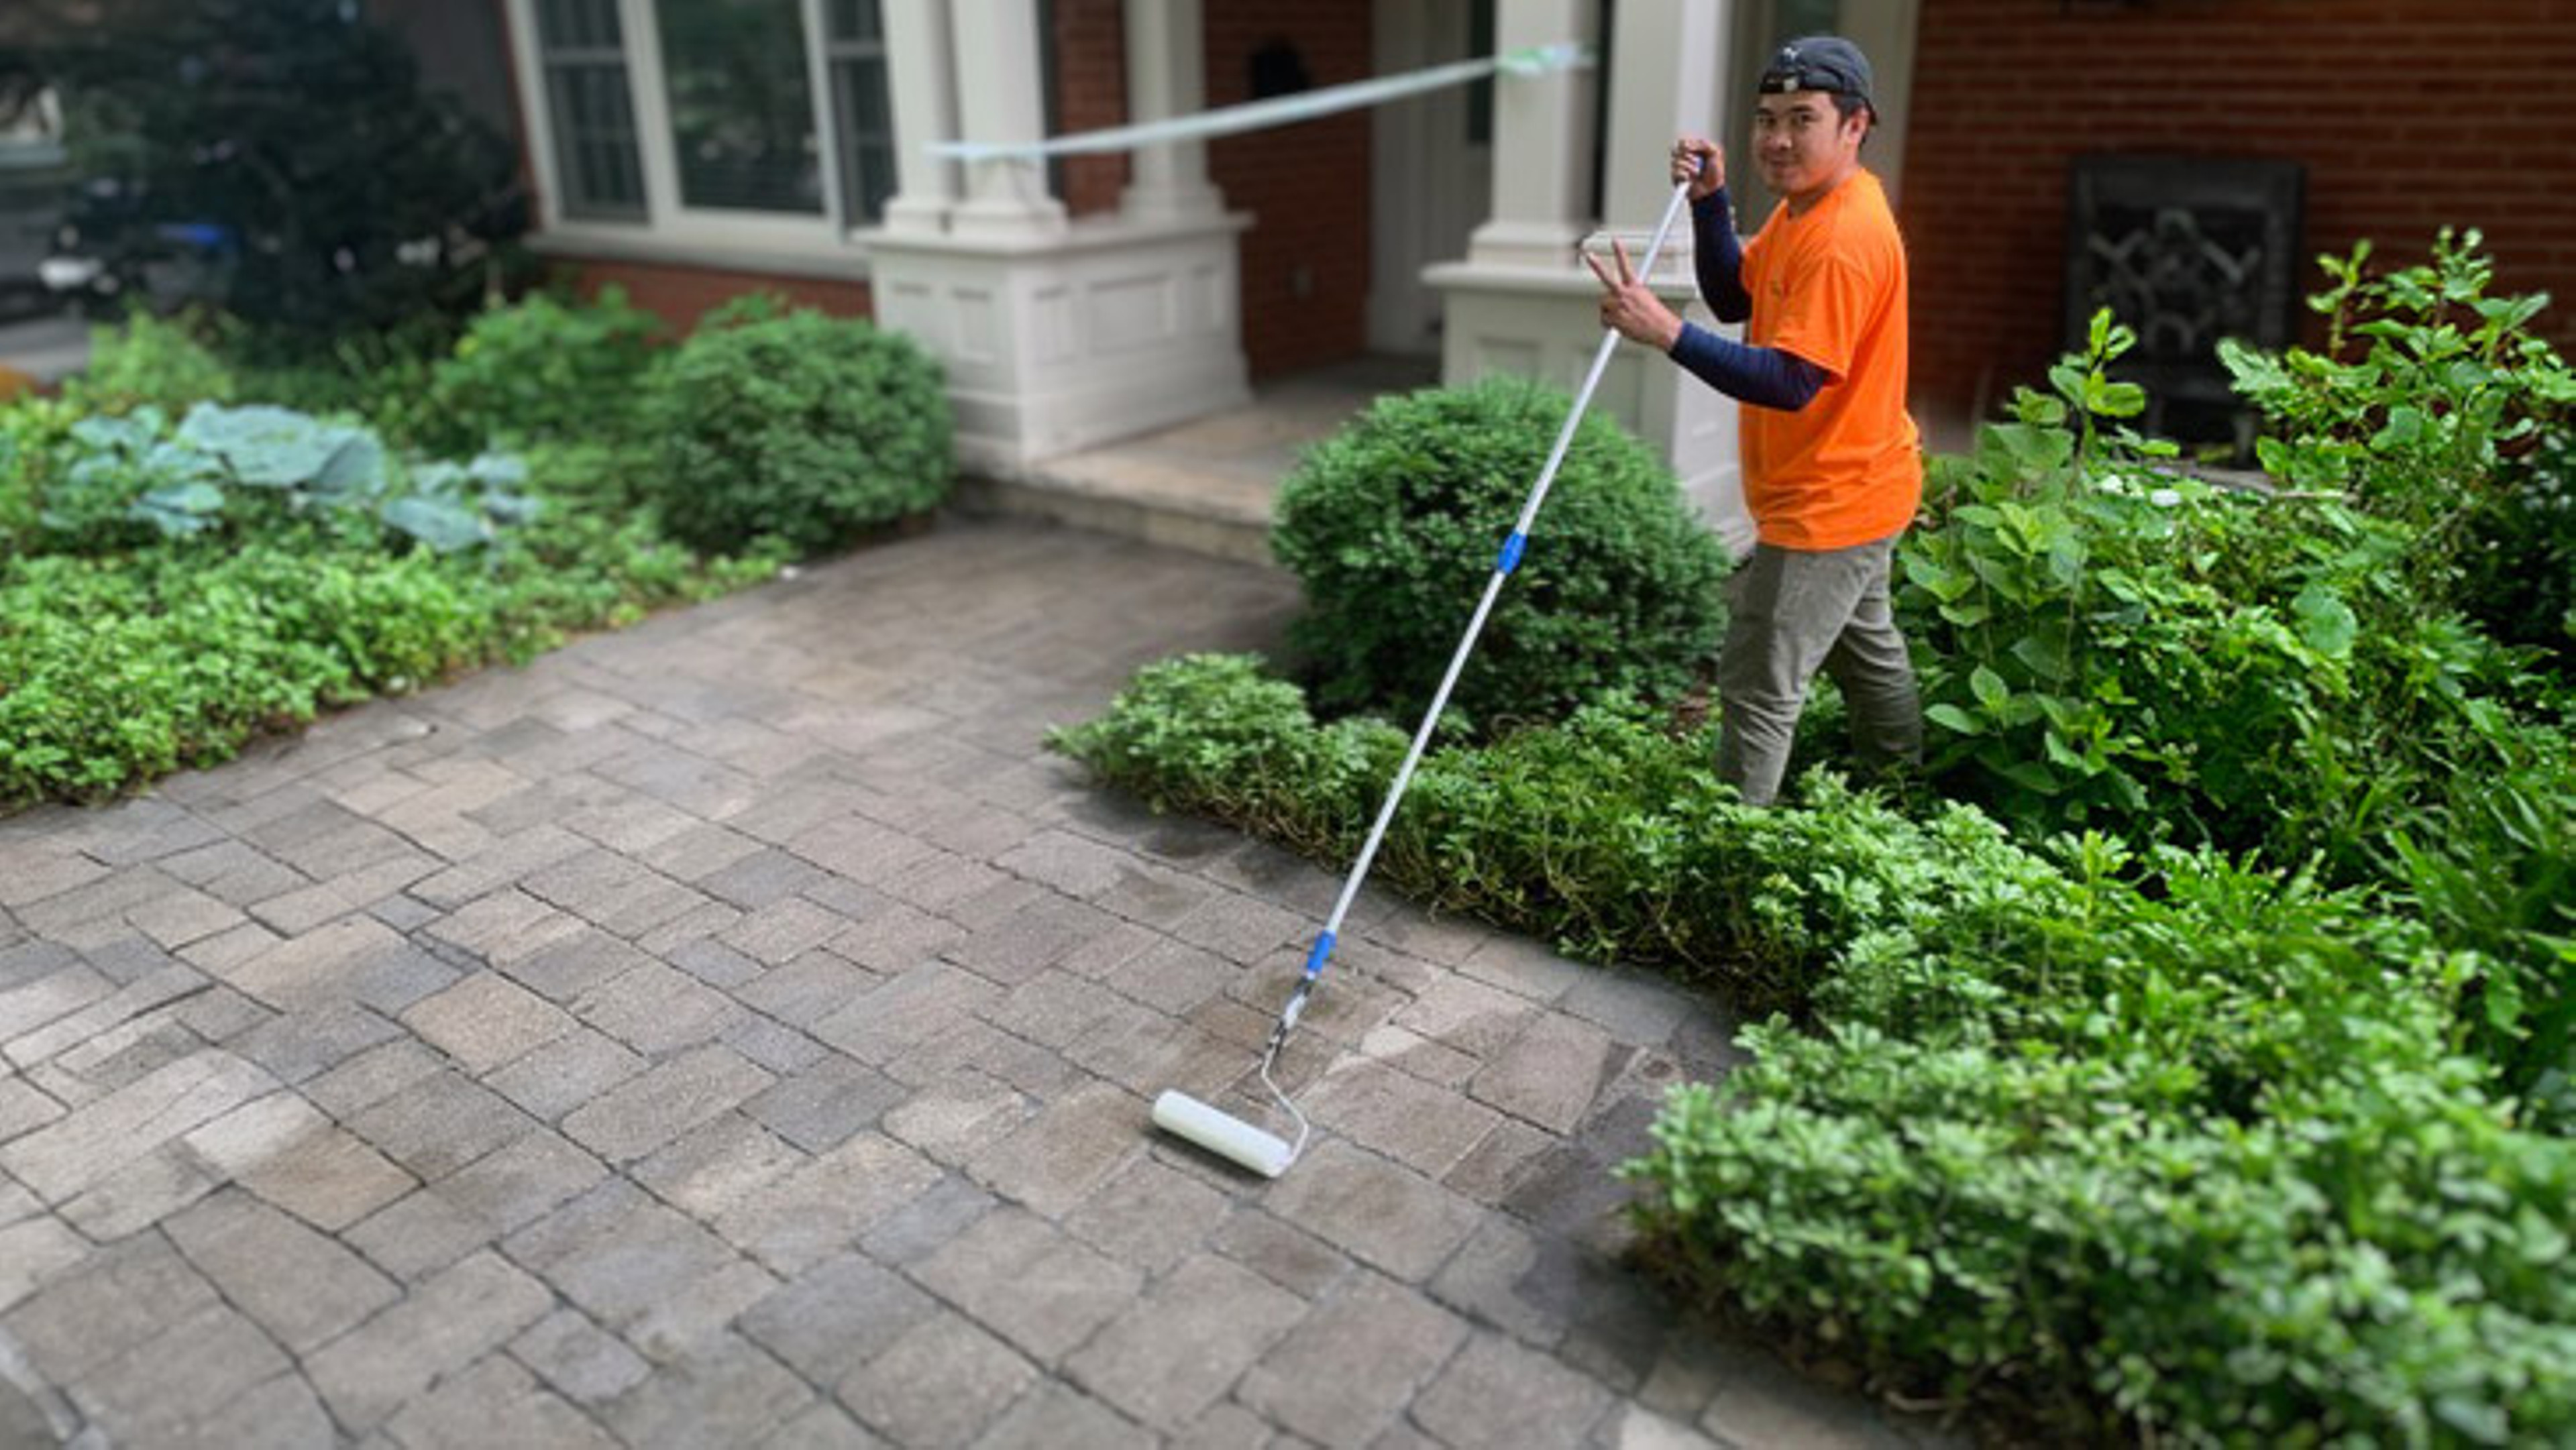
1545,323
1114,327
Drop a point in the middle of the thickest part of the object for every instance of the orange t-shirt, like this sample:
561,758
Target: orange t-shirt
1829,287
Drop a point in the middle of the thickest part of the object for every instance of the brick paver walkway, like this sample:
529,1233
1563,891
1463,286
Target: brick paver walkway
738,1031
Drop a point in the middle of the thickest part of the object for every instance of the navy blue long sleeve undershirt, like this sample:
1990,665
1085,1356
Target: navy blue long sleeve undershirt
1719,257
1763,376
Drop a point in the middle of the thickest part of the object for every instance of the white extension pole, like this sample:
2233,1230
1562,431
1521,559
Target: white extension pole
1230,1137
1504,563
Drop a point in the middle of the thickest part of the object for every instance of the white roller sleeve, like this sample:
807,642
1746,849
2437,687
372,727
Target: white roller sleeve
1228,1137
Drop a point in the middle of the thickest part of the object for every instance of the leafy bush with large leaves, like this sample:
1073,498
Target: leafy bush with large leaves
2436,405
2107,642
1394,524
113,483
798,428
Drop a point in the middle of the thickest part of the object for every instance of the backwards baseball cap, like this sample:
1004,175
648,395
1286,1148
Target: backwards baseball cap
1826,63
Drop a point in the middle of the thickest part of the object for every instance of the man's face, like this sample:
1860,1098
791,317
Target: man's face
1802,144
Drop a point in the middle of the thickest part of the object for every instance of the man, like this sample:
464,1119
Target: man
1832,464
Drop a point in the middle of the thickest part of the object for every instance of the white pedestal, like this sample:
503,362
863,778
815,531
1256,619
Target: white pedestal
1109,328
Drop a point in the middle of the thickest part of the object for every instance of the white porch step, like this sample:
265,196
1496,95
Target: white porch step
1207,485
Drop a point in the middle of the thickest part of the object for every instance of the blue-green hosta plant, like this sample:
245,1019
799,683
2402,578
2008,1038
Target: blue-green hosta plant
118,480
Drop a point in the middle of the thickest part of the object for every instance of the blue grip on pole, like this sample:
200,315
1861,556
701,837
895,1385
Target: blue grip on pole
1315,958
1510,558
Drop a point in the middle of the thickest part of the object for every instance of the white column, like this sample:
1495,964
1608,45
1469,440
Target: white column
1166,77
1667,71
1542,140
925,110
1000,82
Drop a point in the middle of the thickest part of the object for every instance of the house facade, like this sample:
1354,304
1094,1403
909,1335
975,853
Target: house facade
687,149
690,149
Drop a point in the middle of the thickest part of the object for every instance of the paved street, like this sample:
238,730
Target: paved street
738,1031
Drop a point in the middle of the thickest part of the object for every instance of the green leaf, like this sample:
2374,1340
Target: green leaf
437,523
2405,426
180,510
2326,624
1989,688
2043,652
1951,717
355,467
2030,775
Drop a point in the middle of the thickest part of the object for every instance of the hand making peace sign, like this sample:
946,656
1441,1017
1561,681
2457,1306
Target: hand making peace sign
1631,308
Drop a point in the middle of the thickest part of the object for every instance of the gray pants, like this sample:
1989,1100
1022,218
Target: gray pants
1795,612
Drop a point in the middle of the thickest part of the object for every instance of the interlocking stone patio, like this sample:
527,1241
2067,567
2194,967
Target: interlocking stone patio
739,1031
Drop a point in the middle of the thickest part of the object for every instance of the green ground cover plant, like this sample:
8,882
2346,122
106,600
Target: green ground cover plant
185,564
2193,1063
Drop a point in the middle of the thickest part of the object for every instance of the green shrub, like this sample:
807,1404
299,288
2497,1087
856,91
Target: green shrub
114,672
150,361
2493,869
800,428
2519,563
1394,525
2106,644
2426,389
2379,1261
540,368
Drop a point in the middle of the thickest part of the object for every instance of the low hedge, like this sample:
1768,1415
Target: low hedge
2201,1164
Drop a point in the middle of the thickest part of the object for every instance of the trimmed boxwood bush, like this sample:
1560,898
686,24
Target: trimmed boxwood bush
801,428
1394,525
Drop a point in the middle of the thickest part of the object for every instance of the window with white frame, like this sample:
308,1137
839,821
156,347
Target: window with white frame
699,119
582,47
742,113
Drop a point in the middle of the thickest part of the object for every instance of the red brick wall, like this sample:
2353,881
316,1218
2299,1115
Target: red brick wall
2408,114
1306,258
680,295
1090,93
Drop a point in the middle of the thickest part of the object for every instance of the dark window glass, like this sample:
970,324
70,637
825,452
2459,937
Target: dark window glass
742,113
862,108
583,54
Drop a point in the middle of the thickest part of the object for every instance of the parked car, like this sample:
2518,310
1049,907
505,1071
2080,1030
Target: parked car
106,254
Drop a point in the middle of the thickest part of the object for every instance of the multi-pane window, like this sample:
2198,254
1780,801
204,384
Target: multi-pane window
854,43
737,128
582,47
742,112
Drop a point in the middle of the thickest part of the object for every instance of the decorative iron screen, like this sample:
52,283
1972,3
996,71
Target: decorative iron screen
2185,250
